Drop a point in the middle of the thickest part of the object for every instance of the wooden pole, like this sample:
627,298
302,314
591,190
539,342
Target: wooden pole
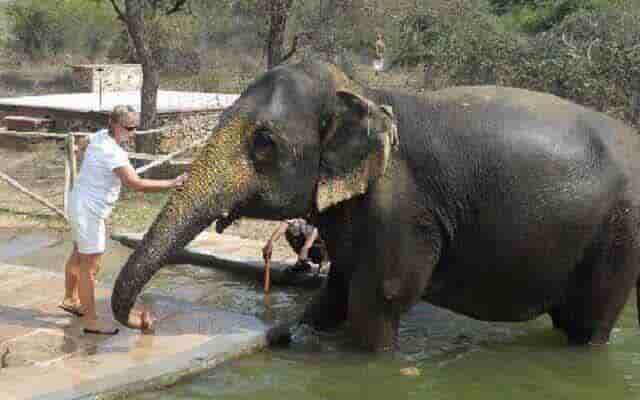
169,156
71,151
267,278
67,183
12,182
70,169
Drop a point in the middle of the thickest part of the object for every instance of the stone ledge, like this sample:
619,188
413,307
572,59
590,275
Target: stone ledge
188,339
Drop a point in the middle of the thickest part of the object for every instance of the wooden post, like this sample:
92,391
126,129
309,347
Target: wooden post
70,169
71,151
34,196
267,277
67,183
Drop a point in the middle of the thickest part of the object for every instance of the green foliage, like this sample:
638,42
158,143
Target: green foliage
34,28
504,6
49,27
542,15
592,57
174,41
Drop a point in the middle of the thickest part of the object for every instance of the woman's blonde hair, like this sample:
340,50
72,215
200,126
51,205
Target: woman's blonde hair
123,115
121,112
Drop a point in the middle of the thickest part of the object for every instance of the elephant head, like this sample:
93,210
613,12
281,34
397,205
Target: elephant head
298,141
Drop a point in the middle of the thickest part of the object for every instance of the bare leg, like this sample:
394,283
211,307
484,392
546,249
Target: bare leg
89,264
71,296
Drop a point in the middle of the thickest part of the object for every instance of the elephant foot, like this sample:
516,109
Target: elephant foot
557,319
325,313
583,336
280,335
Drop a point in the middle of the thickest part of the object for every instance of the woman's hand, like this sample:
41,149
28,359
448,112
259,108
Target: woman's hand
180,180
267,251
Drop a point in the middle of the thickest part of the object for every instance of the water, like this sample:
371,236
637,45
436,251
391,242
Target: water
457,358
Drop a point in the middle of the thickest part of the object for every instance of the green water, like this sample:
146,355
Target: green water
457,357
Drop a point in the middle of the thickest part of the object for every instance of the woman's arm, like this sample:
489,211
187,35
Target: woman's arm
304,251
267,250
130,178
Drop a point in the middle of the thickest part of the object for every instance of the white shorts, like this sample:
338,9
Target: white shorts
88,230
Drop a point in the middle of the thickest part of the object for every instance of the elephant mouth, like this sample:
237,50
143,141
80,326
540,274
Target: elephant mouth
225,220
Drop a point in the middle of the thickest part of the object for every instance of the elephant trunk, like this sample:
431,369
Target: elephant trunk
166,236
219,181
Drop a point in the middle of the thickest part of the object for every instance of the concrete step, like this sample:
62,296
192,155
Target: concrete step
50,358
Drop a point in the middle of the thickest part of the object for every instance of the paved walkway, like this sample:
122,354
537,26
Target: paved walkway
44,355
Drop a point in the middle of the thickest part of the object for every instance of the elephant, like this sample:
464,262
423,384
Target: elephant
498,203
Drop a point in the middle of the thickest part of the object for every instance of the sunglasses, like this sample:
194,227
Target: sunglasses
130,128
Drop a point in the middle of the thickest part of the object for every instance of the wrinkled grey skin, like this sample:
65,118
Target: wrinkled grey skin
497,203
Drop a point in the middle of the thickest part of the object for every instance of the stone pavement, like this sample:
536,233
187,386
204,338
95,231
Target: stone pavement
44,355
236,254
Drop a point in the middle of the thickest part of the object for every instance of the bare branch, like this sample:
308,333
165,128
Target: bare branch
573,50
176,7
294,47
589,49
121,16
571,46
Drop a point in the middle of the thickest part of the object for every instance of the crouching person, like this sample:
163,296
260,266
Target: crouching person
305,240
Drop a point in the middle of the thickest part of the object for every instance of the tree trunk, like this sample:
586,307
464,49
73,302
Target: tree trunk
150,75
149,113
278,12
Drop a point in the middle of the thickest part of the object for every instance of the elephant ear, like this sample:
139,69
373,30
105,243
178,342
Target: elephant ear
356,148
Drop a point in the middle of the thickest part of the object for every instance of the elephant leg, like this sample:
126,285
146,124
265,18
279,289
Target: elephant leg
557,318
395,262
329,308
604,279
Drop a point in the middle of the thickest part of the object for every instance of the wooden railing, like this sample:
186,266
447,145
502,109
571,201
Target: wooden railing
71,168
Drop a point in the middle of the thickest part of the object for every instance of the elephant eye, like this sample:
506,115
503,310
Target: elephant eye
263,146
262,139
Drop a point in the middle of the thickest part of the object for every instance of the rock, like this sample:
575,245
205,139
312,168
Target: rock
410,371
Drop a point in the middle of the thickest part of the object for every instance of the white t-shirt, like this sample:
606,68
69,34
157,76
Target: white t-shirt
98,187
299,226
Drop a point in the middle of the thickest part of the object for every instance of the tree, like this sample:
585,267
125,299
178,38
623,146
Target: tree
278,13
140,31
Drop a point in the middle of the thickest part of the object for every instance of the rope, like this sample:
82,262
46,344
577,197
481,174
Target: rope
170,156
12,182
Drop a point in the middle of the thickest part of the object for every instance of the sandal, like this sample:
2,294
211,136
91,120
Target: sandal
74,310
98,332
